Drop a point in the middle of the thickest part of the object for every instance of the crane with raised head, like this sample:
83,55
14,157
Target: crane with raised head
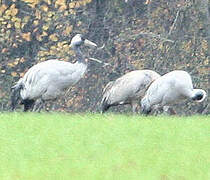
49,79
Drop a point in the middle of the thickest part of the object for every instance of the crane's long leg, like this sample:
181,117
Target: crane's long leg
39,104
134,106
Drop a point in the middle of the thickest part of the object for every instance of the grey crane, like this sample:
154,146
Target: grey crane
128,89
49,79
169,89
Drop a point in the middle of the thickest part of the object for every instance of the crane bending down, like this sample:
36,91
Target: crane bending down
49,79
169,89
128,89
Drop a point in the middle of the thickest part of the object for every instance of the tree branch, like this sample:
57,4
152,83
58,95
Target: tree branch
155,36
174,23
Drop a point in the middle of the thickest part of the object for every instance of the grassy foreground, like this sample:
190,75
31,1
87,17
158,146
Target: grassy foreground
103,147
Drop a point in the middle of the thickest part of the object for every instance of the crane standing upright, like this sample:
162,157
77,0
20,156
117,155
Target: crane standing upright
49,79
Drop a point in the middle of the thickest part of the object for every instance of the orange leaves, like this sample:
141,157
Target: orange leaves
44,8
77,4
147,2
3,7
60,4
68,30
38,14
12,11
32,3
53,37
26,36
14,74
36,22
4,50
39,37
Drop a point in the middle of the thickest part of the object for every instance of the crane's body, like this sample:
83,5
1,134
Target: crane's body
169,89
128,89
49,79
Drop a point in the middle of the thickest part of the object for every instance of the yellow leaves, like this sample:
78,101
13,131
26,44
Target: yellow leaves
204,70
39,37
45,27
204,44
48,1
14,74
15,19
17,25
3,7
44,33
53,47
26,19
43,53
53,37
32,3
44,8
61,4
38,14
147,2
50,14
9,26
12,11
68,30
4,50
13,64
36,22
22,60
65,48
72,5
26,36
187,46
77,4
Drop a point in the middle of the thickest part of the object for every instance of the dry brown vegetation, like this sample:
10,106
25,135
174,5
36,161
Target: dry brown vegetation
137,34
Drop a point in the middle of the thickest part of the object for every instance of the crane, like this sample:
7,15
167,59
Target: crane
169,89
49,79
127,89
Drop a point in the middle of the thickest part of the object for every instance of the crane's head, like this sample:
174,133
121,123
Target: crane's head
79,40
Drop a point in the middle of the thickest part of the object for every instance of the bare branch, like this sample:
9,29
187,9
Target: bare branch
100,48
99,61
174,23
155,36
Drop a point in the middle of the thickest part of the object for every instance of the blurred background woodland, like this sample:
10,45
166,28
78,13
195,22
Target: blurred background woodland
137,34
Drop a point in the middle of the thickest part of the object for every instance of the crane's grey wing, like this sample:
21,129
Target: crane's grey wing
130,86
49,74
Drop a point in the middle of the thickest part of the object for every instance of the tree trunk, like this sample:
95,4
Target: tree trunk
203,7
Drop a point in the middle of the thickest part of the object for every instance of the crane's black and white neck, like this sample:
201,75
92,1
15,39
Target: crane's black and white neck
76,43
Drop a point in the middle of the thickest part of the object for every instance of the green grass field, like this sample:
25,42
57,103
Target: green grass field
57,146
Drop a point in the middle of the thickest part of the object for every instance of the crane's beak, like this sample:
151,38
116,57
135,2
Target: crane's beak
89,43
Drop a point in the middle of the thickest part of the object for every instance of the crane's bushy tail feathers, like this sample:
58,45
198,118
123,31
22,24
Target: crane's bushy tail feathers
15,95
106,92
104,105
199,95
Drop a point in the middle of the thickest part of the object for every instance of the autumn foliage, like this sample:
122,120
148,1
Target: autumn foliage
137,34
